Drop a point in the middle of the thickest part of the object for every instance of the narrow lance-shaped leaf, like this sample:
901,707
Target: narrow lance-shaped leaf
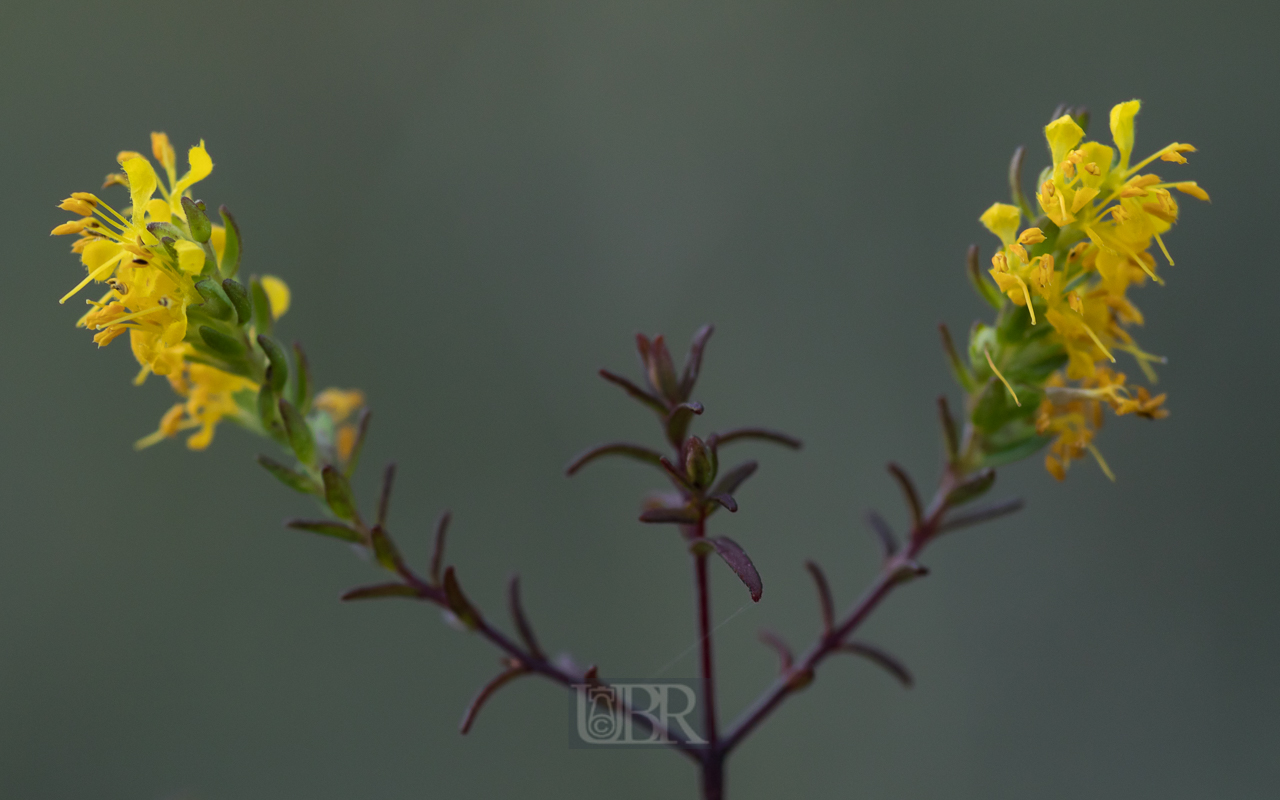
679,419
239,297
301,379
908,492
279,362
384,497
288,477
638,452
731,480
779,646
972,488
379,591
740,563
958,368
261,306
437,550
458,602
682,515
825,603
518,617
324,527
763,434
693,364
949,436
980,515
486,691
231,249
197,221
384,550
635,391
299,432
337,493
269,412
880,658
222,344
888,542
216,303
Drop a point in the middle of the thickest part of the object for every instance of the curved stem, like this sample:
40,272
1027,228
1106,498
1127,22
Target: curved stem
712,758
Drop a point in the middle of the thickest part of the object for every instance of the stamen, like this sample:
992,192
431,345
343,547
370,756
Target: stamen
1006,383
134,315
1098,342
1101,462
1026,294
1164,250
93,276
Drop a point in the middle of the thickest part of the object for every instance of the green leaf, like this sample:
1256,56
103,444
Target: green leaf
1016,451
337,493
197,221
384,550
261,306
239,297
279,362
269,413
301,380
972,488
299,433
288,477
325,527
458,603
379,591
216,302
231,250
222,343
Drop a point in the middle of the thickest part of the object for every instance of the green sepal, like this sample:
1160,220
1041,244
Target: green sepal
239,297
231,249
166,229
301,379
197,221
261,306
972,488
995,408
326,527
294,480
458,603
299,433
279,362
1023,448
222,343
337,493
216,302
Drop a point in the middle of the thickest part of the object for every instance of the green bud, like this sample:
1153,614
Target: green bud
239,297
698,464
279,362
197,221
222,343
299,433
216,302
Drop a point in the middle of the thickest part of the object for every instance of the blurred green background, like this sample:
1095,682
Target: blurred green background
477,205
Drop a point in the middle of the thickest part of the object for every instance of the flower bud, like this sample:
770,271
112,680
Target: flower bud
699,464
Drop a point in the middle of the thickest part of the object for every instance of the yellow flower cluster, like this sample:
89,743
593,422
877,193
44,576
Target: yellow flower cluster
168,271
1099,218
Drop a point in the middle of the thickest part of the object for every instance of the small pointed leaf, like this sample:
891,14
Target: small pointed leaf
326,527
740,563
379,591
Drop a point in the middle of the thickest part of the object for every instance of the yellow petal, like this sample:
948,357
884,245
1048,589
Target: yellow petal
158,210
201,166
142,184
190,256
1031,236
277,295
1122,128
1063,134
218,241
1083,195
1002,219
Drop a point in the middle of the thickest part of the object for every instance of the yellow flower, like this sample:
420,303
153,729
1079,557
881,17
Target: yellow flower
210,396
1074,270
340,405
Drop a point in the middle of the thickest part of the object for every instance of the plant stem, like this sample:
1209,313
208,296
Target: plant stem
712,758
892,573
